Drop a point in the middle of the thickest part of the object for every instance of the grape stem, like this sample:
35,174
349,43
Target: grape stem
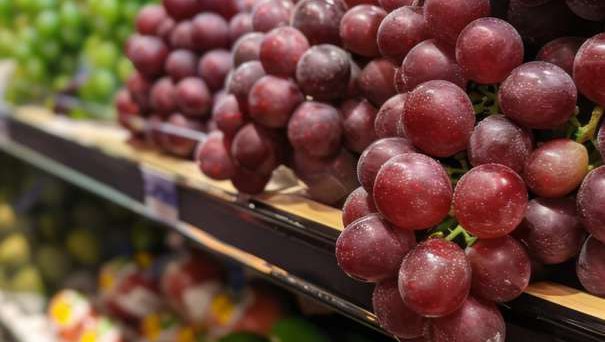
468,238
587,132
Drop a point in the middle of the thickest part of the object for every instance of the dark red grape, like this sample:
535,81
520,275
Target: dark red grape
239,25
127,109
358,124
181,64
353,3
490,201
435,278
591,266
182,9
214,67
163,96
175,142
391,5
164,30
551,230
439,118
272,100
533,2
210,31
476,321
590,203
316,129
226,8
139,88
428,61
193,97
227,115
376,81
376,155
556,168
541,23
247,48
242,79
358,29
149,19
561,52
488,49
413,191
249,182
253,149
358,204
538,95
181,37
588,69
400,31
270,14
329,180
601,140
447,18
148,55
213,157
588,9
370,249
501,269
323,72
399,82
281,50
319,20
394,316
498,140
388,121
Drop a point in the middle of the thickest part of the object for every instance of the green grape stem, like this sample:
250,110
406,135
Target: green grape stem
469,240
588,132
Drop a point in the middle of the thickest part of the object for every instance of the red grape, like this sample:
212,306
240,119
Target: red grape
127,109
247,48
176,143
498,140
427,61
601,140
249,182
239,25
165,29
412,191
181,37
193,97
538,95
272,100
139,88
488,49
149,19
551,230
253,149
214,67
391,5
588,9
353,3
227,115
591,266
226,8
588,69
370,249
358,29
315,129
476,321
323,72
213,157
242,79
400,31
556,168
435,278
163,96
281,50
501,269
541,23
376,81
210,31
447,18
394,316
358,124
388,121
590,203
270,14
561,52
439,118
148,55
319,20
358,204
376,155
399,81
181,64
182,9
490,201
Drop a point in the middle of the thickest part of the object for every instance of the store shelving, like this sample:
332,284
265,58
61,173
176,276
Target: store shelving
281,234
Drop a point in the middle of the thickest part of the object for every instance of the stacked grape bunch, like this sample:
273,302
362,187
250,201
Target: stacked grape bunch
481,169
180,53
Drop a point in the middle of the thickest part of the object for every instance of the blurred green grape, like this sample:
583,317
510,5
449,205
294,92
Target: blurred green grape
35,69
122,33
130,9
8,42
49,50
99,87
6,12
105,56
124,68
70,15
47,24
61,82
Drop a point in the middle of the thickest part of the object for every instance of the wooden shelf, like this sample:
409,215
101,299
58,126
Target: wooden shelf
281,233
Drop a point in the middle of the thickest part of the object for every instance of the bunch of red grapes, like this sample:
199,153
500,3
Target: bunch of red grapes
468,125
